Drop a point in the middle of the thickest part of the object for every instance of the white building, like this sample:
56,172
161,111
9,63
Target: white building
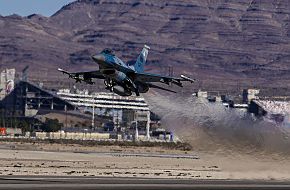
250,94
7,78
110,104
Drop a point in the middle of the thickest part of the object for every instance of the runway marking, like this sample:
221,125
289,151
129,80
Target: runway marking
123,154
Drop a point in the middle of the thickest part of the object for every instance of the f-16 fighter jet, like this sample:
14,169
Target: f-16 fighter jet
124,78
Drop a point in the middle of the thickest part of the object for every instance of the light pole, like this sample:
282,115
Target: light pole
136,131
93,115
65,109
148,126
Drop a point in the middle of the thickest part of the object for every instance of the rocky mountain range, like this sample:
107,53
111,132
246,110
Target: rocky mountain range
223,43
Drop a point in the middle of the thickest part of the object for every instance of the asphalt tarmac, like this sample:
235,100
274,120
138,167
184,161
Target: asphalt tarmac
72,183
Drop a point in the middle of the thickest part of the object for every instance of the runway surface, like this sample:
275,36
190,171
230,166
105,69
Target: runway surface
72,183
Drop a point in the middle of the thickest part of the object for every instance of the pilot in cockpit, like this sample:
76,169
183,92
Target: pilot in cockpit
108,51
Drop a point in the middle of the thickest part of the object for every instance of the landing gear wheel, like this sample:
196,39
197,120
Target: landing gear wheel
128,93
107,83
137,92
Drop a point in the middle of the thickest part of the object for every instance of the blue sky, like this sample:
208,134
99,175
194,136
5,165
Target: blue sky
28,7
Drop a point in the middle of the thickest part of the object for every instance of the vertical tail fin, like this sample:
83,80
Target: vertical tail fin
141,60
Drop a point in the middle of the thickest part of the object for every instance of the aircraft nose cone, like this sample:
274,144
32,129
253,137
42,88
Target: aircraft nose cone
98,58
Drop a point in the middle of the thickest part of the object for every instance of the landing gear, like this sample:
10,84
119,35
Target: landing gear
137,92
133,87
121,88
108,83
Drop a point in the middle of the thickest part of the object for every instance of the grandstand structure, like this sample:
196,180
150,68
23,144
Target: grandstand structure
125,110
104,100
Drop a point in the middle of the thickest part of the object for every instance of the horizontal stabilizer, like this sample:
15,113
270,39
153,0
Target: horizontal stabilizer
177,82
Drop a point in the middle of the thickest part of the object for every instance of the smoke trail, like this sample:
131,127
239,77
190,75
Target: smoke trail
212,127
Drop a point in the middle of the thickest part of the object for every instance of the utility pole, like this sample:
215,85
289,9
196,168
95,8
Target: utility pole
93,115
118,122
148,126
65,109
136,127
136,131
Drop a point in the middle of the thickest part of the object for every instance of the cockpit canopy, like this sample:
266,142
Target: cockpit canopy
108,51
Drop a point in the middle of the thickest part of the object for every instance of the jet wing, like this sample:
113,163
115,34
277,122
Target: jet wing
149,77
86,76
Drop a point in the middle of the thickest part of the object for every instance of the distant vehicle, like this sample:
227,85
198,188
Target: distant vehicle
122,78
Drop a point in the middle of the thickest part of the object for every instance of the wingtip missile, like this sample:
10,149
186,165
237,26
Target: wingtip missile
61,70
65,72
187,78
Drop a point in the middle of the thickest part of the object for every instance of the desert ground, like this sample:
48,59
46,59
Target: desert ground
225,145
18,159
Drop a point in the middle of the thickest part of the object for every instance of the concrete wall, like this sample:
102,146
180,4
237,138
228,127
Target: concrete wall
74,136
